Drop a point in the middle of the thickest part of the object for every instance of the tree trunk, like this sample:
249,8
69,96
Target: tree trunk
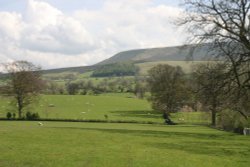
20,106
167,119
213,117
19,112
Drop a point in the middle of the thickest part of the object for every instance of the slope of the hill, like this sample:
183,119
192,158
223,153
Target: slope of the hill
178,53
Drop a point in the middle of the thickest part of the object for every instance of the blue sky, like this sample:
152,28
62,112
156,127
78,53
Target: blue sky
62,33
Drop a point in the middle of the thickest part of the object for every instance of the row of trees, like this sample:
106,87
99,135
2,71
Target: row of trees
136,85
208,84
116,69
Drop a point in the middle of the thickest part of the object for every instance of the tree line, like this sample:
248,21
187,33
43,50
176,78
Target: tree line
95,86
116,69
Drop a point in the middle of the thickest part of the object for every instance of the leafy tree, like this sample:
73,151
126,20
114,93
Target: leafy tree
226,26
54,88
8,115
140,90
24,84
72,88
167,86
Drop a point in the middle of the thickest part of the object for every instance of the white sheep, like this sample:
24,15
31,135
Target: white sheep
40,123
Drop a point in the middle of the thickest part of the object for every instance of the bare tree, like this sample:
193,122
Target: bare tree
225,24
209,81
24,84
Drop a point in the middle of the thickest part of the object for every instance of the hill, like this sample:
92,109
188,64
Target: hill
177,53
139,56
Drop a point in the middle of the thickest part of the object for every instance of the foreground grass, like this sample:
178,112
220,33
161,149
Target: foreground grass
112,145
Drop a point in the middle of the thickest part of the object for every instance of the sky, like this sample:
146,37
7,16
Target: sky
68,33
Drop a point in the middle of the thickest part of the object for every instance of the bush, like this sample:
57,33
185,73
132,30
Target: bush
32,116
231,121
13,115
35,116
8,115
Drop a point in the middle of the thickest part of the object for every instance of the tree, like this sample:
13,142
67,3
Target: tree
53,88
209,80
140,89
226,26
167,87
24,84
72,88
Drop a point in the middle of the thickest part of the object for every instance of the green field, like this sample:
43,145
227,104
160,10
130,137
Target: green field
27,144
115,106
57,144
185,65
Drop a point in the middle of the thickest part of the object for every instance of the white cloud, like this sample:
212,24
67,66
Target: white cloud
45,35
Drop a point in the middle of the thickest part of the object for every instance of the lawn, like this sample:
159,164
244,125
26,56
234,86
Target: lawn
57,144
116,107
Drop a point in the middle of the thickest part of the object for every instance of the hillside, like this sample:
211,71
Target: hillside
177,53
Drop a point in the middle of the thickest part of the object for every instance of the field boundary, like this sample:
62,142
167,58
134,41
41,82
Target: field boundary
85,120
99,121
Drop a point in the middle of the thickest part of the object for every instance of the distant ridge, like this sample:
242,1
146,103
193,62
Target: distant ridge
176,53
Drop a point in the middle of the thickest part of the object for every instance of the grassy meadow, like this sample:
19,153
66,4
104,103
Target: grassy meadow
115,106
54,144
57,144
185,65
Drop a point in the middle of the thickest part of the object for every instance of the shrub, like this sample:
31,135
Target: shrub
8,115
35,116
14,115
28,115
231,121
106,116
32,116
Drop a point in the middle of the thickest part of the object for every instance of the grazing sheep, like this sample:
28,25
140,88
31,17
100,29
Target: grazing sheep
181,119
40,123
51,105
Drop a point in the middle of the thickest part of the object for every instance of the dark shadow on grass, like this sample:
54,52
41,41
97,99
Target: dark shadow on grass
200,143
208,148
150,115
138,114
160,134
